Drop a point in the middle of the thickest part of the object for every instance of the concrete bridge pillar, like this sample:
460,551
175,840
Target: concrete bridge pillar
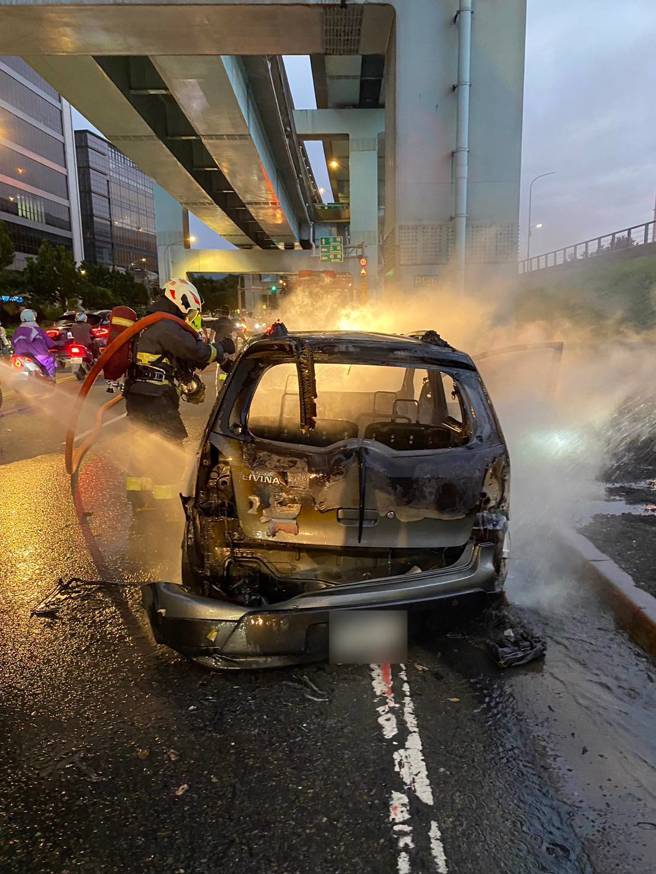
363,173
420,137
172,229
362,126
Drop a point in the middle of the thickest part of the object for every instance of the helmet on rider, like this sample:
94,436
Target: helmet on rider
28,316
185,296
80,317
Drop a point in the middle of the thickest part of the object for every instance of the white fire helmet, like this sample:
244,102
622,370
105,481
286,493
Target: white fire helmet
185,296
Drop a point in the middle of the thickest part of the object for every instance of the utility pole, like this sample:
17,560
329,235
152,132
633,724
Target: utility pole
185,242
530,208
463,21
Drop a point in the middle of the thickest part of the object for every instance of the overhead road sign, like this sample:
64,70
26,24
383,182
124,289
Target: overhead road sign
331,249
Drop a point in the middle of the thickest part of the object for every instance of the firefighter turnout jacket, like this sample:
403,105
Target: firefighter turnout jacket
164,353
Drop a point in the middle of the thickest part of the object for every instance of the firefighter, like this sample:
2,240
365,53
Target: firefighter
223,326
165,358
223,329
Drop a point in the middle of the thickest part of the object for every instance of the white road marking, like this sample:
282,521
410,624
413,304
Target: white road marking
437,847
104,425
409,764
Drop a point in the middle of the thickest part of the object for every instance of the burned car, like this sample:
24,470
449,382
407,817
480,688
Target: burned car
337,471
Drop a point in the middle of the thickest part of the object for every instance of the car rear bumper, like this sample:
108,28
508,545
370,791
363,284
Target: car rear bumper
226,635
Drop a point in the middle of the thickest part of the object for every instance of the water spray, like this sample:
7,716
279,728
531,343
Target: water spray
72,457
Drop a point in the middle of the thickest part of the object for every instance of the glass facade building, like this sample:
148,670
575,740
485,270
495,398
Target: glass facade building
117,206
38,179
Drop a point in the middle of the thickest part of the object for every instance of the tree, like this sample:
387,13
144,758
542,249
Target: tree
52,277
217,293
118,288
96,274
6,247
96,297
128,291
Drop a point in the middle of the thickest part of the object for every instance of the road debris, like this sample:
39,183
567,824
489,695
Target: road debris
67,761
75,587
180,791
523,648
305,685
511,641
143,754
312,686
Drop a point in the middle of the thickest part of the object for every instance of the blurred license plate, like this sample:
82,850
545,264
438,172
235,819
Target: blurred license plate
76,361
363,637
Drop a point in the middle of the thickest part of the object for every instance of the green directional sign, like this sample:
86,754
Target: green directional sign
331,249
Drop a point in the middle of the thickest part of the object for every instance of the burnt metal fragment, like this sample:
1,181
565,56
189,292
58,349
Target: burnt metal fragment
512,642
307,384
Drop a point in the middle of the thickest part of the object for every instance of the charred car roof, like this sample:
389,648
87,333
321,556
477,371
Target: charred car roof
368,345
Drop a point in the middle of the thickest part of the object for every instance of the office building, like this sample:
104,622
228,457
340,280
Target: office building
117,206
38,182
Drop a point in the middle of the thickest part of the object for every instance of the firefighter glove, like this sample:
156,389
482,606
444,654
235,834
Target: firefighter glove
194,391
228,346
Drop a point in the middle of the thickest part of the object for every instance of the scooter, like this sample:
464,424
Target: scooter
28,373
78,356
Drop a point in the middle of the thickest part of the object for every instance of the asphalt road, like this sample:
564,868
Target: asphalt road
119,755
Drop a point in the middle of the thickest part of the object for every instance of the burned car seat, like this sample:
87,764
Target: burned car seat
405,409
325,433
409,436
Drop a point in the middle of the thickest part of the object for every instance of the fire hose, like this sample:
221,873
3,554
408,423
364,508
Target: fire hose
72,456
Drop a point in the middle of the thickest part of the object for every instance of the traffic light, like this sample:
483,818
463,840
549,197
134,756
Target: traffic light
363,291
274,289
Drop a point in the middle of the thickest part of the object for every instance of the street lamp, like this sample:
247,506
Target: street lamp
530,208
168,246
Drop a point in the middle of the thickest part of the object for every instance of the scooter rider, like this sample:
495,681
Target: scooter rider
5,345
166,357
32,341
80,330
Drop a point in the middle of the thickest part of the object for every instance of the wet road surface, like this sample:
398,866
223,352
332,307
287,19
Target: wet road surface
119,755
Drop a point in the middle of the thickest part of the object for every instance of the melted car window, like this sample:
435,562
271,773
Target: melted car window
401,408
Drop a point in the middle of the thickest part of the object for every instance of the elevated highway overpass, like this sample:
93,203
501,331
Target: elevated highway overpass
196,95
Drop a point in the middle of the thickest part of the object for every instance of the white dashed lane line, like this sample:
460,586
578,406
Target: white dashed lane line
104,425
398,725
